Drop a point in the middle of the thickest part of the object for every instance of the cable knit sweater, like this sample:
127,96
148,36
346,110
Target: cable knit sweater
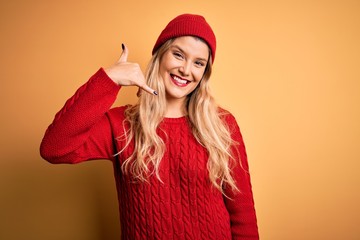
184,205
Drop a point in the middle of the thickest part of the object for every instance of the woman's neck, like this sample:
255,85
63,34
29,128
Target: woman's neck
175,108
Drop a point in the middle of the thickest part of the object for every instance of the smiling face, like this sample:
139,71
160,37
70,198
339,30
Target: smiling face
182,67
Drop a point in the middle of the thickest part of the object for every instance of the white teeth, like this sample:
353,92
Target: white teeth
180,80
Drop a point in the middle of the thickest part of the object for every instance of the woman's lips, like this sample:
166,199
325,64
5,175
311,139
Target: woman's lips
178,81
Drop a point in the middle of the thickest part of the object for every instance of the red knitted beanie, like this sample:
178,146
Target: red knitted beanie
188,25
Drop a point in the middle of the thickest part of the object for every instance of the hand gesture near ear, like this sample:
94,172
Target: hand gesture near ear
125,73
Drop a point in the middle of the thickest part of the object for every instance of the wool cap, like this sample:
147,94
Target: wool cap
188,25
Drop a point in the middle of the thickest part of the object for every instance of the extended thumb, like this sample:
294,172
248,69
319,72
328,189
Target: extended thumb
124,54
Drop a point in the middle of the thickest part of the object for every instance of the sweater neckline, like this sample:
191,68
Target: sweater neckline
176,120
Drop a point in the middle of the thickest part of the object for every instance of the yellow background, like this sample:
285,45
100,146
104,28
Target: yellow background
288,70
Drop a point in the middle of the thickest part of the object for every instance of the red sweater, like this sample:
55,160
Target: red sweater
185,205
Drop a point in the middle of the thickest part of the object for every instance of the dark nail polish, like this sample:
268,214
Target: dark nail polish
122,46
155,93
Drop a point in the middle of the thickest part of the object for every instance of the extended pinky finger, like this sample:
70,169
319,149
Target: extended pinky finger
149,90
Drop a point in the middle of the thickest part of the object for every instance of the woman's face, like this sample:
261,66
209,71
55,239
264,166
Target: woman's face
182,66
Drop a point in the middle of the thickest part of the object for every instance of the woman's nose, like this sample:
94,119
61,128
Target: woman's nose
185,69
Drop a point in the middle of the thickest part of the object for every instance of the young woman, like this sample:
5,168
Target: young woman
179,160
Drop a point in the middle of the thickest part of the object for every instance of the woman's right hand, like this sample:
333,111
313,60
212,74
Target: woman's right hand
125,73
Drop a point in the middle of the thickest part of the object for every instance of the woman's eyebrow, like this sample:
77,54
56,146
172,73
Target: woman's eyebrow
181,50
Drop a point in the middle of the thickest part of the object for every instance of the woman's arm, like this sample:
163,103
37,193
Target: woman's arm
240,205
81,130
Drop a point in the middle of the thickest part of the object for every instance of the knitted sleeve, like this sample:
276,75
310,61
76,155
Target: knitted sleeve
240,205
81,129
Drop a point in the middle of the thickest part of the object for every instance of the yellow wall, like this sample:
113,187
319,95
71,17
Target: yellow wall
288,70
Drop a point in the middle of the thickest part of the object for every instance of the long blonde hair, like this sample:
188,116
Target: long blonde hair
206,122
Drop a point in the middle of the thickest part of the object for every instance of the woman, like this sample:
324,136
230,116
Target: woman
179,160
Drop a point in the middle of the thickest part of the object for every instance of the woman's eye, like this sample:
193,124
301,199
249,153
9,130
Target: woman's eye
199,64
178,55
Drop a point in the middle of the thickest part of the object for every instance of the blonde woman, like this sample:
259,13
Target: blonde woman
179,160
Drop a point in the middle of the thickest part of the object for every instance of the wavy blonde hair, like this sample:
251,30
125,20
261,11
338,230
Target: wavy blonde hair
206,122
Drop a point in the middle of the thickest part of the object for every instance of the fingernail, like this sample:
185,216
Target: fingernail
155,93
122,46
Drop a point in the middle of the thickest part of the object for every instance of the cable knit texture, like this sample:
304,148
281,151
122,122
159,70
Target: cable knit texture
184,205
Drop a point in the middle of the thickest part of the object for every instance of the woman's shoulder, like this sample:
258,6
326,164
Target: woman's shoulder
117,117
226,115
119,111
117,114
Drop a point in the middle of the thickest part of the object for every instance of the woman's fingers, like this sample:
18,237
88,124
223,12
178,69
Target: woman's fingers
124,55
138,93
147,89
123,59
126,73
